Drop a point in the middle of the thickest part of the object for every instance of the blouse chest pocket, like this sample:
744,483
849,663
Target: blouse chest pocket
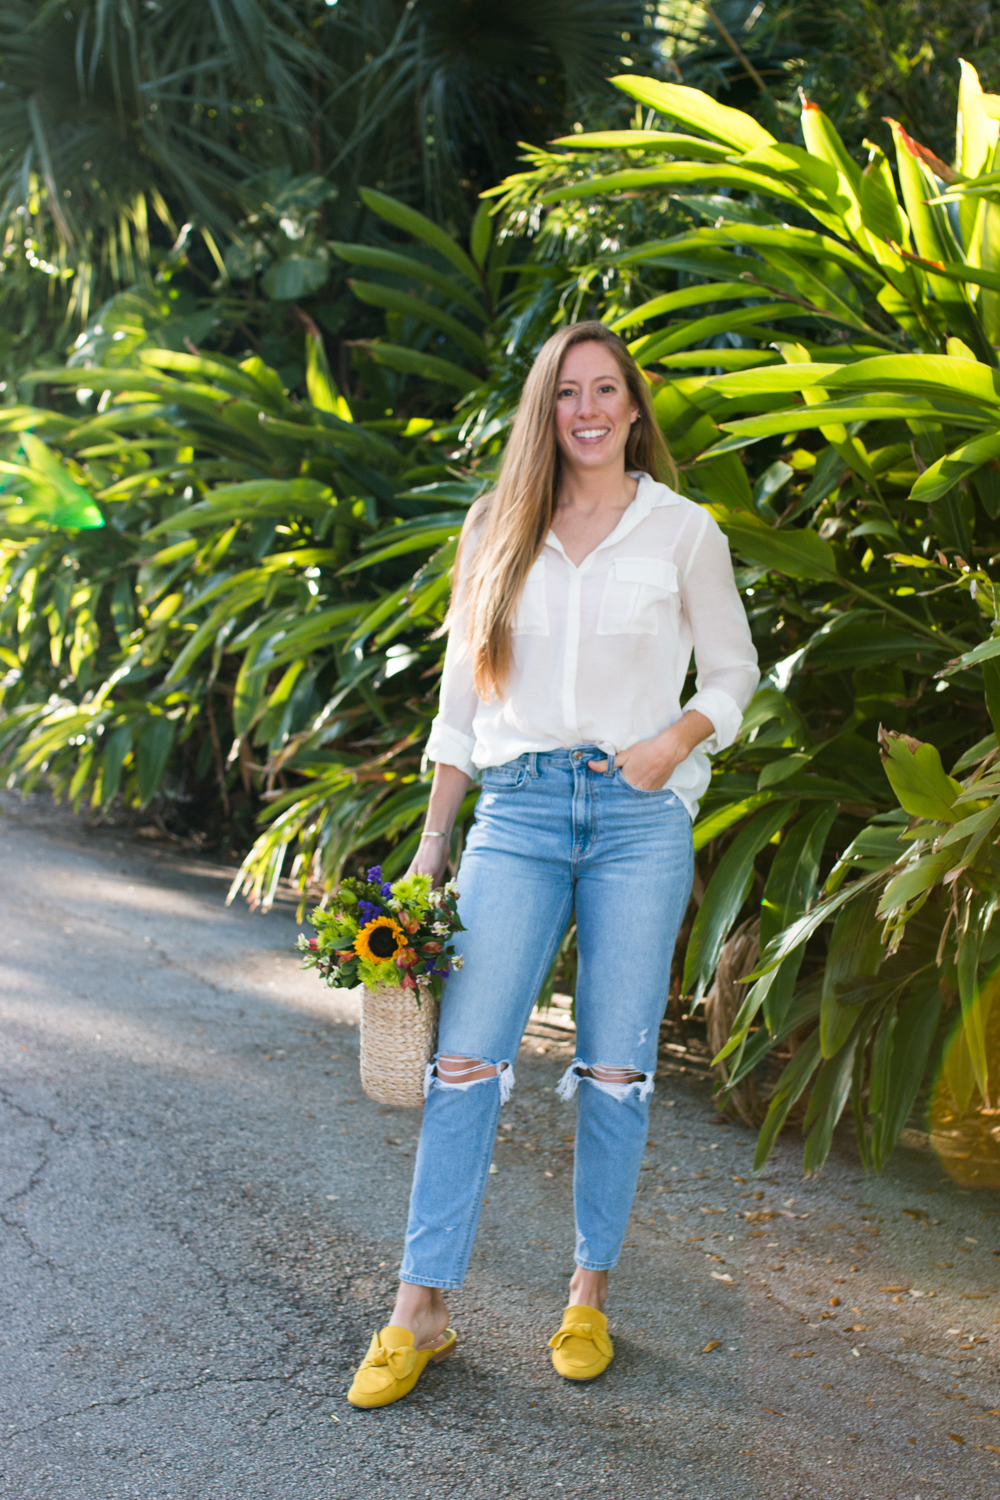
634,587
532,615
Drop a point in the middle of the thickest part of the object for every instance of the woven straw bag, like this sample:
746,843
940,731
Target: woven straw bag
397,1043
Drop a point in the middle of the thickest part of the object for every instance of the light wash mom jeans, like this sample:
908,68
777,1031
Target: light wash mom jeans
550,836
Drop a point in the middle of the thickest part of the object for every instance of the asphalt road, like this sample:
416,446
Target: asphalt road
201,1218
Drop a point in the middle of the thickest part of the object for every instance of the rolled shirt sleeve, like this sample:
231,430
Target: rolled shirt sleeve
724,653
451,739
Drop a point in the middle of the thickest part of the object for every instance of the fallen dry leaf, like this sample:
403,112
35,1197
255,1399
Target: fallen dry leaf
834,1301
916,1213
990,1448
772,1411
895,1288
975,1296
721,1276
714,1344
808,1355
955,1437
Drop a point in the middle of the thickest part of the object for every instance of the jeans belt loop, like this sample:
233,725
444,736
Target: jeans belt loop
533,764
611,763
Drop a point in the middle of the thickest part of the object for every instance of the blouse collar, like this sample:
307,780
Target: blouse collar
650,495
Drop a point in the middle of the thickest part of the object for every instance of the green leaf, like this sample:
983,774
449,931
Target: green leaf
61,501
830,1093
724,481
409,306
674,144
855,952
915,880
861,408
421,228
320,384
991,684
923,374
416,270
726,893
918,778
295,276
900,1056
696,110
153,746
648,349
791,884
942,476
711,824
880,210
117,746
794,552
787,1091
251,691
481,235
689,296
680,174
414,362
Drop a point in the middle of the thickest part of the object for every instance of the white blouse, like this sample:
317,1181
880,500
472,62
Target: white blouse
601,651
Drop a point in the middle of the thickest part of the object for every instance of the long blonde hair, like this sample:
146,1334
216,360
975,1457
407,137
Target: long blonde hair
512,522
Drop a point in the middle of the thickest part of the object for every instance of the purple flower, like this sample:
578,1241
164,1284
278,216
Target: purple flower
386,890
375,875
369,912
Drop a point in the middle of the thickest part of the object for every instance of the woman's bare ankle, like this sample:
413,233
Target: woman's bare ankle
588,1289
422,1310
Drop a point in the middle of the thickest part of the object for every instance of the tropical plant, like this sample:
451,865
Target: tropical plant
858,59
136,135
205,642
826,376
857,327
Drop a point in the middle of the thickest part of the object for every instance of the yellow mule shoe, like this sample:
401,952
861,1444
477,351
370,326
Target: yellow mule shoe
392,1366
581,1349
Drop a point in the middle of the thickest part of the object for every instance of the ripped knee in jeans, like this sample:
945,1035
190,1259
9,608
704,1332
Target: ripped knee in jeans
609,1078
448,1071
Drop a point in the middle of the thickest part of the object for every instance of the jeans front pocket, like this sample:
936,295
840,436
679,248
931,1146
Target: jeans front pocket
641,791
506,778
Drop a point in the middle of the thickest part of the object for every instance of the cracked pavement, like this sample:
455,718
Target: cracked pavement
200,1218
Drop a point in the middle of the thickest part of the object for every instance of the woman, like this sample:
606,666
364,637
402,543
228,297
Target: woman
582,585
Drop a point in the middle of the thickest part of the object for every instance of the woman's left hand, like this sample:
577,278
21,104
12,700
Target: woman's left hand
649,764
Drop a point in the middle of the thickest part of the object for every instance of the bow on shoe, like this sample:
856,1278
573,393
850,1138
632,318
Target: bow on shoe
399,1362
590,1331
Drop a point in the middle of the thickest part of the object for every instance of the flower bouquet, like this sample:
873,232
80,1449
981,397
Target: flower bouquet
394,938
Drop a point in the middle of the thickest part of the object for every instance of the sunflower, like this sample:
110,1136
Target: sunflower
380,940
